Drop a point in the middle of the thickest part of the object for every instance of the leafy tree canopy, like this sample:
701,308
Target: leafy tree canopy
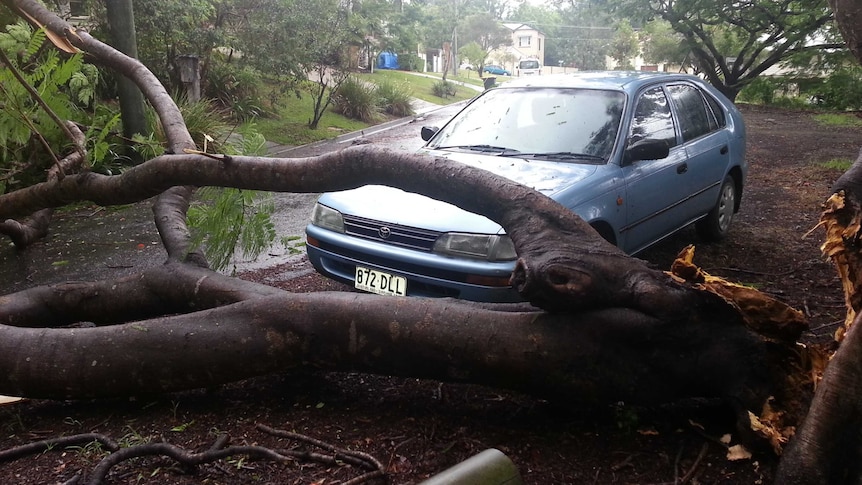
486,31
732,43
585,35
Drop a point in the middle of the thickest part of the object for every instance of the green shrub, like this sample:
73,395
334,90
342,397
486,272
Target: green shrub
760,91
792,102
357,100
395,98
235,88
411,62
842,90
443,89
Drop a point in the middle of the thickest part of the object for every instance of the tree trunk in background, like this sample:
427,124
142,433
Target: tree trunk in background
121,20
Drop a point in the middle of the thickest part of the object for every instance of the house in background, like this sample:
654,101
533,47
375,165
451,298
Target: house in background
527,43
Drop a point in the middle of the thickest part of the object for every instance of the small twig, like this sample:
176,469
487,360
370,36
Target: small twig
215,156
827,325
626,462
180,455
752,272
64,441
74,480
221,442
703,449
354,457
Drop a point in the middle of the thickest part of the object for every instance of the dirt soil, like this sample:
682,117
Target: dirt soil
418,428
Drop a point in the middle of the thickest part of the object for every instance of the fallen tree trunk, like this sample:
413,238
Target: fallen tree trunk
600,356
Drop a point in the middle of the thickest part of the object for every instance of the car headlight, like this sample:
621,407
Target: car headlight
327,218
489,247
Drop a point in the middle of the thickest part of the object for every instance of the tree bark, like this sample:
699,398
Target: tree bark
599,356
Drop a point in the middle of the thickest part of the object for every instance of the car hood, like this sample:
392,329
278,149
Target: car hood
396,206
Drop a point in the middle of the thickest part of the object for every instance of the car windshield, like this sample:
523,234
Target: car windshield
531,64
536,121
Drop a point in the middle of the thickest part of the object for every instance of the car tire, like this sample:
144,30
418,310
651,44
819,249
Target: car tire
716,224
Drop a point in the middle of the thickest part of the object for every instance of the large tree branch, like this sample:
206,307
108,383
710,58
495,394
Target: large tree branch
172,288
584,272
601,356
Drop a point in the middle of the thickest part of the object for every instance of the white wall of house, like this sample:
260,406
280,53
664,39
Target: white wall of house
527,42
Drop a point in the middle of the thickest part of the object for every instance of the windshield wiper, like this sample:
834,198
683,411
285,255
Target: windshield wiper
556,156
482,148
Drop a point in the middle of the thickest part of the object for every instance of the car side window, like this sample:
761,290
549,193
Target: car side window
717,111
652,118
696,118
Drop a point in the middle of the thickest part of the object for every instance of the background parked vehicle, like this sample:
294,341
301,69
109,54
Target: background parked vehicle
637,155
528,67
496,70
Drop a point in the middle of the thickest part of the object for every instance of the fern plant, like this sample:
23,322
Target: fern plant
27,128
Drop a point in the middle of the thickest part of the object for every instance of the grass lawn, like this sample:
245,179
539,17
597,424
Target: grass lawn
289,126
469,76
421,86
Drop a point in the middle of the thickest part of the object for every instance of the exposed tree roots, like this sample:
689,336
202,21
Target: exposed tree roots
189,460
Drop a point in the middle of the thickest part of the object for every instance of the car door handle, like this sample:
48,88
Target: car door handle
682,168
723,150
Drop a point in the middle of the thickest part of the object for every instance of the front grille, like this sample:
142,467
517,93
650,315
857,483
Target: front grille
405,237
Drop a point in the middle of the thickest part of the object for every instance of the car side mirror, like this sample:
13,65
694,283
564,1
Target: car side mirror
428,132
647,149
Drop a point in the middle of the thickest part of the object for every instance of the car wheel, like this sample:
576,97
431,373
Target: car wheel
716,224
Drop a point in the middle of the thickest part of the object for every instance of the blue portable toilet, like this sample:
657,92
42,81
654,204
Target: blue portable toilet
387,60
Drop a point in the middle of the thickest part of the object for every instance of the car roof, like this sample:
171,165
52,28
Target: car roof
618,80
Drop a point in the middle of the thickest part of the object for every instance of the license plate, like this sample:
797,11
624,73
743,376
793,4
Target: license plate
379,282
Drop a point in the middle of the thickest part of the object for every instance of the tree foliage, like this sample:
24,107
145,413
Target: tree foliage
732,43
474,54
486,31
31,134
585,34
625,45
661,44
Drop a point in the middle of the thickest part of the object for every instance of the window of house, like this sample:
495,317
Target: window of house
539,43
524,41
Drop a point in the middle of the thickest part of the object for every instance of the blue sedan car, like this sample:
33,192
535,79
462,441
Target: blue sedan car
496,70
637,155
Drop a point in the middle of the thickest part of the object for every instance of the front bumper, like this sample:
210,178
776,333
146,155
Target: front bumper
336,256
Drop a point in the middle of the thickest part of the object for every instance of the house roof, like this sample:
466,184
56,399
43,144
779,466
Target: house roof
515,26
